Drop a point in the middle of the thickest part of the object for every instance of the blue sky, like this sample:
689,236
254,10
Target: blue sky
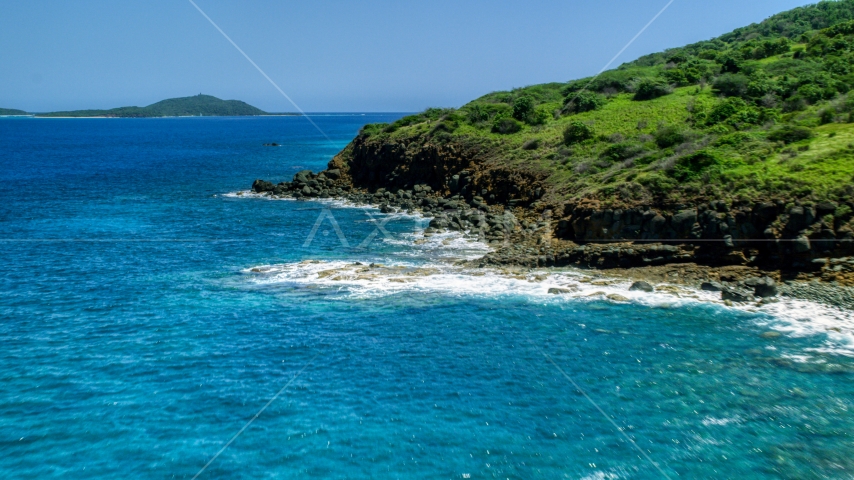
331,55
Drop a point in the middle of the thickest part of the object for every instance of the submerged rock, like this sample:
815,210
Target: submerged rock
615,297
762,287
736,294
642,286
561,291
261,186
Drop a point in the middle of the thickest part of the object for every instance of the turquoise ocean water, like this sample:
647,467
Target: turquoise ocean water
148,312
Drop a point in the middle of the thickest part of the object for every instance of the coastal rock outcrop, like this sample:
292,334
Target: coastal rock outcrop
642,286
514,210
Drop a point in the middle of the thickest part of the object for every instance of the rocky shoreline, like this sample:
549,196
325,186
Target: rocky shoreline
526,239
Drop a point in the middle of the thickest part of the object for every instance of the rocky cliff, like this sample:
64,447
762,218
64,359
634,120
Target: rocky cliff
514,209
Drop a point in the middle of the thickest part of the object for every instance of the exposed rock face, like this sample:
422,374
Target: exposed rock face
762,287
513,208
447,169
261,186
711,287
735,294
642,286
615,297
561,291
725,234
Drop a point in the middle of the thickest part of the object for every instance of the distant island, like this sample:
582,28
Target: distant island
11,111
199,105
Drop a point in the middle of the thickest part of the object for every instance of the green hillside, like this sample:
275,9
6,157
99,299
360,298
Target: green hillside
12,111
764,112
205,105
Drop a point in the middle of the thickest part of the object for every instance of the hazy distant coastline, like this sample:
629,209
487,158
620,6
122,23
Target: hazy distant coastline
196,106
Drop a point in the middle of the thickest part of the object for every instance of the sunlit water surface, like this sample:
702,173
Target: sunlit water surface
148,312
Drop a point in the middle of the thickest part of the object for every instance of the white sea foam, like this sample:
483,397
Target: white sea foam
801,318
362,280
253,195
720,422
797,318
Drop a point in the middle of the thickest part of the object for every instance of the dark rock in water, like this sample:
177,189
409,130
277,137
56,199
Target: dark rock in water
261,186
274,144
711,286
561,291
439,223
762,287
385,208
736,294
303,176
642,286
614,297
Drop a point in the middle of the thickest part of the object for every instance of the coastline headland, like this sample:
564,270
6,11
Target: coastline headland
730,155
717,246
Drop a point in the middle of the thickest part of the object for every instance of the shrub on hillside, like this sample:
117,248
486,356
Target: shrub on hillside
619,80
583,102
656,183
577,132
433,114
505,125
539,116
373,129
737,113
477,114
531,144
729,64
691,166
648,88
668,136
731,85
447,124
811,93
622,151
733,139
827,116
522,107
525,110
790,134
676,76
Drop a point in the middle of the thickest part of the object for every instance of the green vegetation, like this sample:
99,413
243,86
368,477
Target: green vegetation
764,112
204,105
577,132
12,111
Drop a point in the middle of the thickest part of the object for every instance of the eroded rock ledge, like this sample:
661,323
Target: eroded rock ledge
514,211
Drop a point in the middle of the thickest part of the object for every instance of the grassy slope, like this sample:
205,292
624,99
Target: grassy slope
729,159
174,107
